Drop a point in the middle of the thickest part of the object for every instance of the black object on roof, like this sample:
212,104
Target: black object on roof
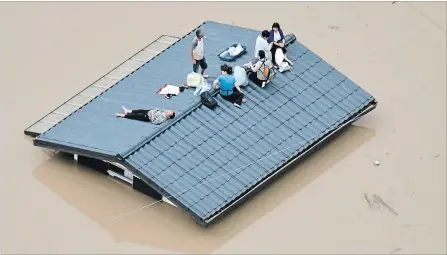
209,161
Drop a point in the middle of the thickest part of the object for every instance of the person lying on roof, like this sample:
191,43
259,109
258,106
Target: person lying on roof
155,116
228,89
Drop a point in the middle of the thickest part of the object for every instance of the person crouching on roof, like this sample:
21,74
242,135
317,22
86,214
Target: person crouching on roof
155,116
260,70
228,89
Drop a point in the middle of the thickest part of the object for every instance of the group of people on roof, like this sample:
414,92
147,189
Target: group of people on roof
268,43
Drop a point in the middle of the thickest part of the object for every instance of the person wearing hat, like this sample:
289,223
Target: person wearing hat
198,55
228,89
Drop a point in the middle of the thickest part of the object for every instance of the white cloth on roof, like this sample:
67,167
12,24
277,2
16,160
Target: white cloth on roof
234,51
284,66
169,89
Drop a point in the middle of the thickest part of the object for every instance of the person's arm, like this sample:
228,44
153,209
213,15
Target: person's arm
216,83
158,121
283,38
270,39
255,68
194,45
238,88
269,46
158,118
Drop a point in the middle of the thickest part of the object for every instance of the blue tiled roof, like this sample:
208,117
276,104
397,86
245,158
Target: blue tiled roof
210,158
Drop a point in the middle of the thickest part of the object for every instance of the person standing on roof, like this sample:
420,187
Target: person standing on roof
198,54
228,89
155,116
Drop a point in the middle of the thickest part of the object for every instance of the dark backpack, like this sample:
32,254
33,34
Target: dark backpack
208,100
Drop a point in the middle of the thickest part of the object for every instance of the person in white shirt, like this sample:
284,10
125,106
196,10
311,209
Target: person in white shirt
261,43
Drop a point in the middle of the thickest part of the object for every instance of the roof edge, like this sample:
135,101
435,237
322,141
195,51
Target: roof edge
167,195
74,150
109,87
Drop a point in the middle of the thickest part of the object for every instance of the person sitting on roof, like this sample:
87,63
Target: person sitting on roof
260,70
155,116
278,41
262,44
228,89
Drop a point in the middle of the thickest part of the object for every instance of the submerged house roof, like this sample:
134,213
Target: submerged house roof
208,161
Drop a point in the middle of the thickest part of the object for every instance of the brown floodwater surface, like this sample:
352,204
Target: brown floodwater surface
337,201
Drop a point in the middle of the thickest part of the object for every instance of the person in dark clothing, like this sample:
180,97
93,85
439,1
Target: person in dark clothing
277,39
228,89
155,116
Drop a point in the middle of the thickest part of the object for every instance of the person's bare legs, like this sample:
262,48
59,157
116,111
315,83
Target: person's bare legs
126,110
122,115
203,74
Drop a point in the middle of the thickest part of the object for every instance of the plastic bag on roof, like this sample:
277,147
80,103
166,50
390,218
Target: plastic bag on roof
203,87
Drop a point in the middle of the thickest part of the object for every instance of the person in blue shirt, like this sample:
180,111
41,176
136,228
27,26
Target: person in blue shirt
228,89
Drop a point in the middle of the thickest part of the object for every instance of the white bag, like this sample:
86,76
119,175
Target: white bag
284,66
279,56
241,76
194,79
280,61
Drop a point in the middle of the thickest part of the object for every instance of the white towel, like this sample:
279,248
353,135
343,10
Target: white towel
234,51
169,89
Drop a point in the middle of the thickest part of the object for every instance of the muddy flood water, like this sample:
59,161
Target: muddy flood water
337,201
